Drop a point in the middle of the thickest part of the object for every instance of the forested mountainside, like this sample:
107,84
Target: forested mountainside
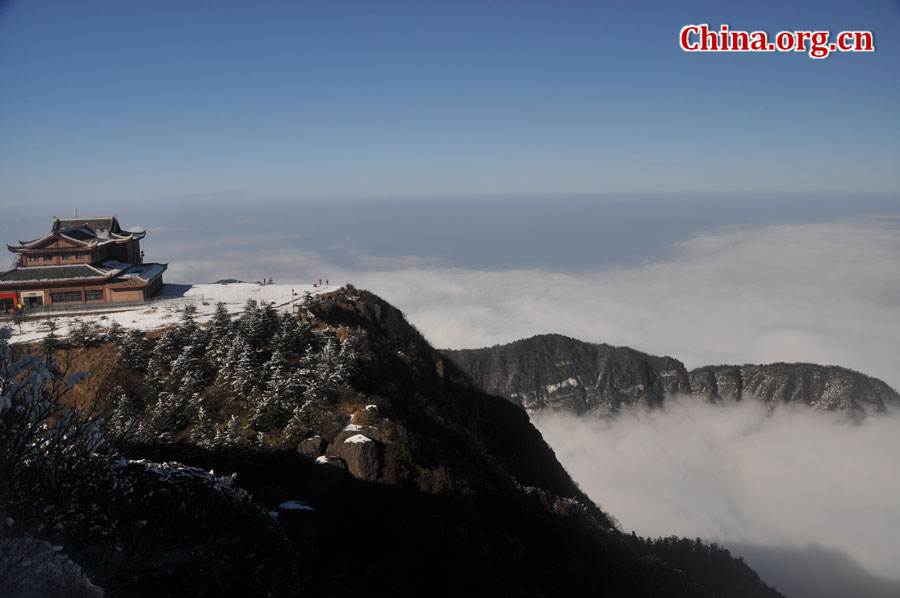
557,372
332,453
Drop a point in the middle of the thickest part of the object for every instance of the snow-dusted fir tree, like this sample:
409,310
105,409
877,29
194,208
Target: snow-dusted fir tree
188,327
166,418
239,370
204,431
114,333
292,337
248,320
132,351
272,407
123,414
328,367
220,333
186,375
166,350
347,362
234,433
258,326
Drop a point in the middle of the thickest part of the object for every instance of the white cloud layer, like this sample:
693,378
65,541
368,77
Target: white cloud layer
791,478
826,293
823,293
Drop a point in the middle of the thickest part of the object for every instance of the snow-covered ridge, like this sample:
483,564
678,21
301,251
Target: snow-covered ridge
165,310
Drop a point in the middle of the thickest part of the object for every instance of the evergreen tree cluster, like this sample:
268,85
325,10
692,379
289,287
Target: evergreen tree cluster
260,377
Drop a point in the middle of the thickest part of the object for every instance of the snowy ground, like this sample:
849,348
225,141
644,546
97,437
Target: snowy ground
167,310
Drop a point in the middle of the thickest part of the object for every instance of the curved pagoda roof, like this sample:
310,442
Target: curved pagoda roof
82,233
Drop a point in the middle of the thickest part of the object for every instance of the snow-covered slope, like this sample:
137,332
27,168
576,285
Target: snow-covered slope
165,309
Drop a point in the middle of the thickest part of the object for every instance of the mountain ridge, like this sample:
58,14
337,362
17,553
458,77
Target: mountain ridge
553,371
366,464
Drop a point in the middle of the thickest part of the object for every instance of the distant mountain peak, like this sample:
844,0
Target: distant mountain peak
552,371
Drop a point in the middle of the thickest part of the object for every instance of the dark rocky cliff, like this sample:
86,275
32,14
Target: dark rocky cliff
558,372
379,469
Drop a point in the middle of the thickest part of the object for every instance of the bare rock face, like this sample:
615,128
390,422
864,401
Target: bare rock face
557,372
370,432
362,454
717,383
821,387
313,447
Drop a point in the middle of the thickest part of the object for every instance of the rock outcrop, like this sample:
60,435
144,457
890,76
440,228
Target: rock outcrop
391,474
558,372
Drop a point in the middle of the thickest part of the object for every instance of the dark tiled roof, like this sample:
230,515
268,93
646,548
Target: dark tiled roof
79,234
107,223
37,274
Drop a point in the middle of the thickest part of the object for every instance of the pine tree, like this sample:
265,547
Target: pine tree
204,432
297,427
132,347
166,418
186,375
166,351
239,370
220,334
123,413
114,333
292,337
234,433
247,322
81,335
188,330
273,406
347,363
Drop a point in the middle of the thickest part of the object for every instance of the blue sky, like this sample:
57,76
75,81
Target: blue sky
128,103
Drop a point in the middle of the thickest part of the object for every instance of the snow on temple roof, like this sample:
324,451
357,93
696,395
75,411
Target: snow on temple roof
54,273
107,269
86,232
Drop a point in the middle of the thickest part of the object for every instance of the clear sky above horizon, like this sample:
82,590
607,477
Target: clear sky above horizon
135,102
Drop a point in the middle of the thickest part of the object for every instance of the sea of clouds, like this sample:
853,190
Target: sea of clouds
741,474
825,293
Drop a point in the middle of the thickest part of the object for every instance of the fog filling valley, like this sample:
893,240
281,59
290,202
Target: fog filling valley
737,473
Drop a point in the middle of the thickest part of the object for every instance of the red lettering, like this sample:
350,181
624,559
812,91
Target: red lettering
864,36
685,37
845,35
709,40
758,41
740,40
784,40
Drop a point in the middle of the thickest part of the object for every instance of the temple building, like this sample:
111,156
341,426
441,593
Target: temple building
81,261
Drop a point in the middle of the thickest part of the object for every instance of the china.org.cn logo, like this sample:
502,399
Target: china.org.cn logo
818,44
